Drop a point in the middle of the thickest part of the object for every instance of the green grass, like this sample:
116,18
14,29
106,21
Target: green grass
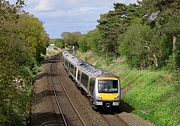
154,95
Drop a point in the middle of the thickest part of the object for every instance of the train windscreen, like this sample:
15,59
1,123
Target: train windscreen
108,86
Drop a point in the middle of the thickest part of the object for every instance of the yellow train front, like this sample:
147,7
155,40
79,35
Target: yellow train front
107,91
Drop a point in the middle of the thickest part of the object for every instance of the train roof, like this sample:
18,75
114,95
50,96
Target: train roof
85,67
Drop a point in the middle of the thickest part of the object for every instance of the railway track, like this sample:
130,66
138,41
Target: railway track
55,83
50,81
113,120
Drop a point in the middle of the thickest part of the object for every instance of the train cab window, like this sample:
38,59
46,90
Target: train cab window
91,85
79,75
108,86
84,79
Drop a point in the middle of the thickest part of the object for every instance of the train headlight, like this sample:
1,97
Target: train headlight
99,97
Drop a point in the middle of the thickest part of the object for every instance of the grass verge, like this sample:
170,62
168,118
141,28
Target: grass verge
154,94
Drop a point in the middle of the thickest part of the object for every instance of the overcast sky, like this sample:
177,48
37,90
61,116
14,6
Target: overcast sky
69,15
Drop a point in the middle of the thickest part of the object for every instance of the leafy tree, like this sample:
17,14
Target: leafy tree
10,51
34,36
22,40
71,39
167,22
142,46
114,24
93,39
83,43
59,43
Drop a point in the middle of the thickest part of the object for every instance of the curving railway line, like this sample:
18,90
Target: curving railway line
69,111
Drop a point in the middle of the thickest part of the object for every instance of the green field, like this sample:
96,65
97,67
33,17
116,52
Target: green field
154,94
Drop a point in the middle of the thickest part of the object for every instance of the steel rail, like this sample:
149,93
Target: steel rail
79,116
56,97
104,118
120,119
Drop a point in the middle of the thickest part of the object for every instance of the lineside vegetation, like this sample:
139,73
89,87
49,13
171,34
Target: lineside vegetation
23,40
153,94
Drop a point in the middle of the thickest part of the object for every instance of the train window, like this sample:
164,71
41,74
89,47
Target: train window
75,68
84,79
79,75
72,68
66,63
108,86
91,85
69,67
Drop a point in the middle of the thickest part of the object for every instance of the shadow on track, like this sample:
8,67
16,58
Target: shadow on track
46,93
48,118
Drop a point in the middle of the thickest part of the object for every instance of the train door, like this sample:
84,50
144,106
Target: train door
84,81
91,86
79,76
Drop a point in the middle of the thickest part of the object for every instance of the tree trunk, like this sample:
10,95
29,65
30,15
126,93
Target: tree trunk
154,58
174,43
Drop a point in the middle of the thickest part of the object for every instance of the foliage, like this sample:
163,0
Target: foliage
83,43
147,46
166,23
90,41
23,40
71,39
33,35
93,40
113,25
60,43
147,34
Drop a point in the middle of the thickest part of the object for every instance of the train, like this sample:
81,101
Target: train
102,88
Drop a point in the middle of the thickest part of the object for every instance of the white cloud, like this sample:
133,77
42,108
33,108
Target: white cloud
75,12
45,5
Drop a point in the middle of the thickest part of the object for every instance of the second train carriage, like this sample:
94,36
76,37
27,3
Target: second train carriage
102,88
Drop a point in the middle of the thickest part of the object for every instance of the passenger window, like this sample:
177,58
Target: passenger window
75,68
79,75
68,64
72,69
84,79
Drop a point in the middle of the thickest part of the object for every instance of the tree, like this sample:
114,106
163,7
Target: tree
59,43
71,39
93,40
83,43
142,46
10,51
167,22
22,40
114,24
33,35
